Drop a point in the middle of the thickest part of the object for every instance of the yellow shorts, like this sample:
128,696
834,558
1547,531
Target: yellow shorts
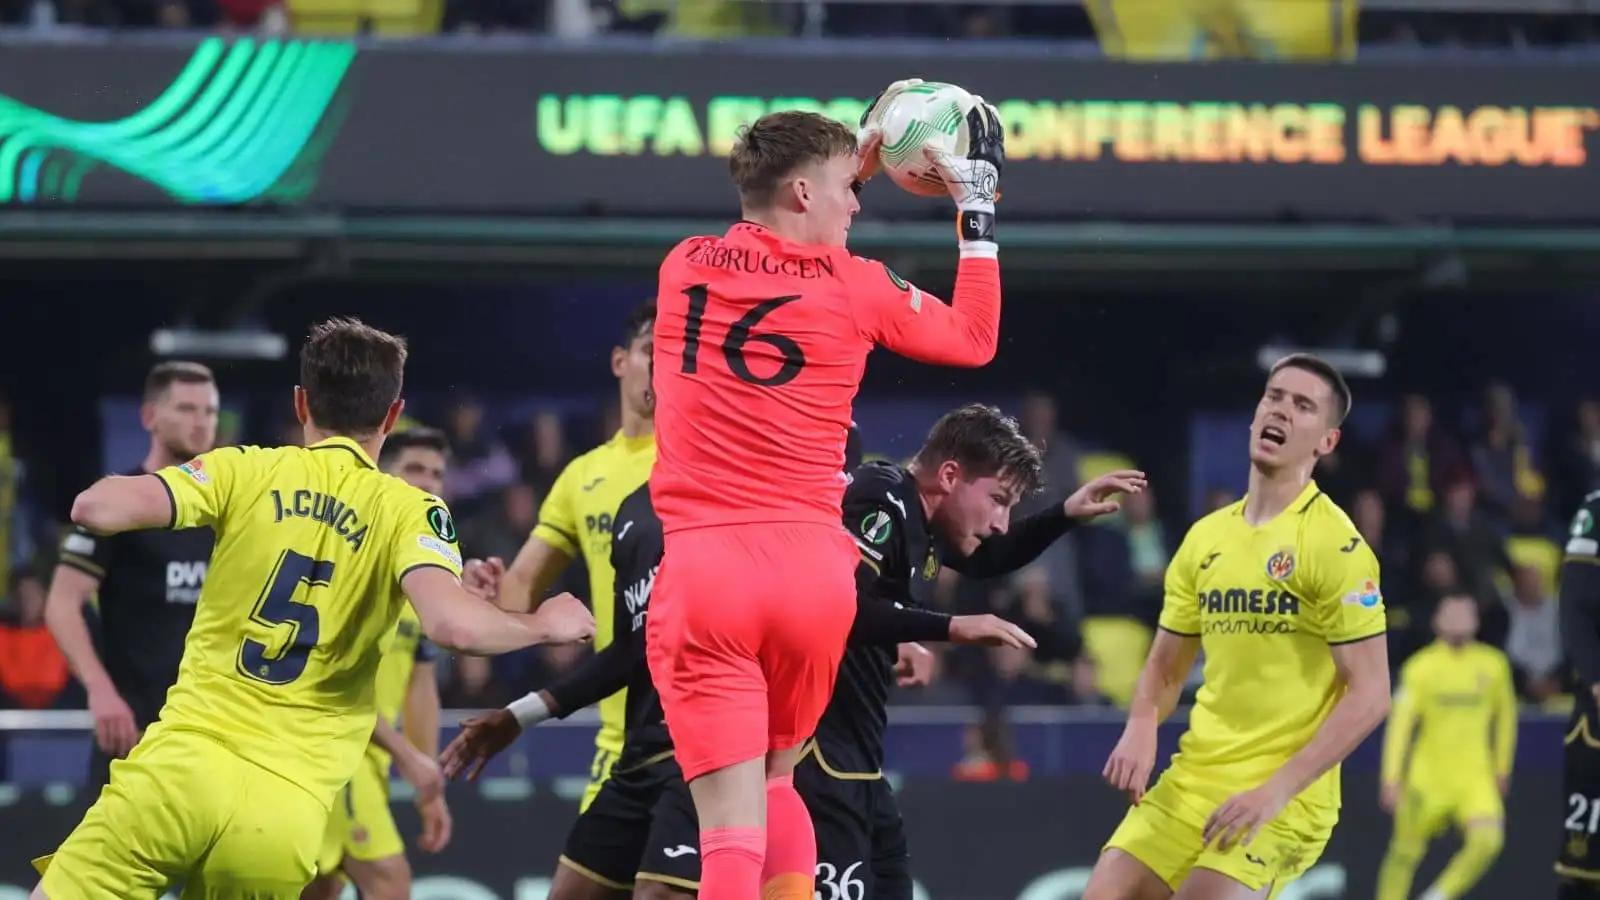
182,807
360,825
1427,810
599,771
1165,833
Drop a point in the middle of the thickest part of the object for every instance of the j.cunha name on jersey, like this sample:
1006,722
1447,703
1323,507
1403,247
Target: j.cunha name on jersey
345,521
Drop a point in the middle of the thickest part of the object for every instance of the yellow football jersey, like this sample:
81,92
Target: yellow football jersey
407,647
1462,706
1266,602
301,596
576,519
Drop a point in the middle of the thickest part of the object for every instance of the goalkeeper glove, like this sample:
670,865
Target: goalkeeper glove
974,179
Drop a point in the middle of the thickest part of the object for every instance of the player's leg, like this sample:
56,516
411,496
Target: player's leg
374,853
1283,850
150,823
1480,817
329,883
841,814
670,866
1417,820
812,611
267,848
706,627
1152,849
891,853
1577,889
604,846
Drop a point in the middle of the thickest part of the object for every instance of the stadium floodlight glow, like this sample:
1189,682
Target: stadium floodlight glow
239,345
1350,363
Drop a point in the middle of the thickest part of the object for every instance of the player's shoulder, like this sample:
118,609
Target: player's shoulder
1327,528
1490,656
1214,522
686,248
1582,542
637,505
880,484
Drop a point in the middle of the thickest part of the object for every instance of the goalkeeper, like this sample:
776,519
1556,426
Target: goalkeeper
761,338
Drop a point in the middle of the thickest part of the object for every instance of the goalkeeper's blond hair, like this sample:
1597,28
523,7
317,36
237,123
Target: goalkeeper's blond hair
770,151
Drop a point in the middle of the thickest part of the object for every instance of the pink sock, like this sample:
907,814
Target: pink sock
791,863
730,863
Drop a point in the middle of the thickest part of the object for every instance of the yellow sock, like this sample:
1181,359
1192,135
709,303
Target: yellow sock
1399,867
1479,848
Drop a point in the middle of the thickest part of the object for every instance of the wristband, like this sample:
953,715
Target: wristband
529,709
975,228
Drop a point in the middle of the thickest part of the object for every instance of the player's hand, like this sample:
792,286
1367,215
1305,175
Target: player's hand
114,728
563,619
974,180
1238,820
436,824
481,738
1132,760
991,630
1098,497
869,137
914,668
423,774
1389,797
482,576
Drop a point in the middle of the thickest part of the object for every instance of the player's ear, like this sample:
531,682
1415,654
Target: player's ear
800,189
392,416
147,415
302,411
949,474
1329,441
619,358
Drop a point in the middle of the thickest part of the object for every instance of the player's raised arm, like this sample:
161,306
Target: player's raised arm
897,315
1022,543
185,496
1503,697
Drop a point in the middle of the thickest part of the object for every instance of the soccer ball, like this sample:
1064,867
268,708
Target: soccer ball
930,114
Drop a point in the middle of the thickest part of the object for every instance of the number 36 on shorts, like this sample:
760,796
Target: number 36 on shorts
836,884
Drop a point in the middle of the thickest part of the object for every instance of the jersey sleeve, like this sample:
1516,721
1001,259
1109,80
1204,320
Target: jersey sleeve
558,517
1345,598
202,487
1505,716
426,652
1579,603
86,551
1180,603
895,314
877,525
424,535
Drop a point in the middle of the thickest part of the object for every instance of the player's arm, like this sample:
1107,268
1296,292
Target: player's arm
896,315
609,670
1019,546
428,569
183,496
83,560
1505,720
1402,724
874,521
1176,643
548,550
1348,610
1580,599
421,719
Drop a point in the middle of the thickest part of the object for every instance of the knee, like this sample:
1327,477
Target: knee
389,881
654,890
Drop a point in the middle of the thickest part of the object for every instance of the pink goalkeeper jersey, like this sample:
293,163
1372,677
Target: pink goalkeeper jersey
760,345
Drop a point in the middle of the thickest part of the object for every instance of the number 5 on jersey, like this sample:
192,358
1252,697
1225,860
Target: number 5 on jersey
739,336
276,607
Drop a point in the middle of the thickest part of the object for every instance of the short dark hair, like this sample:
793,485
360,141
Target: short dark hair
165,375
1325,370
984,442
351,373
771,148
641,319
421,437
